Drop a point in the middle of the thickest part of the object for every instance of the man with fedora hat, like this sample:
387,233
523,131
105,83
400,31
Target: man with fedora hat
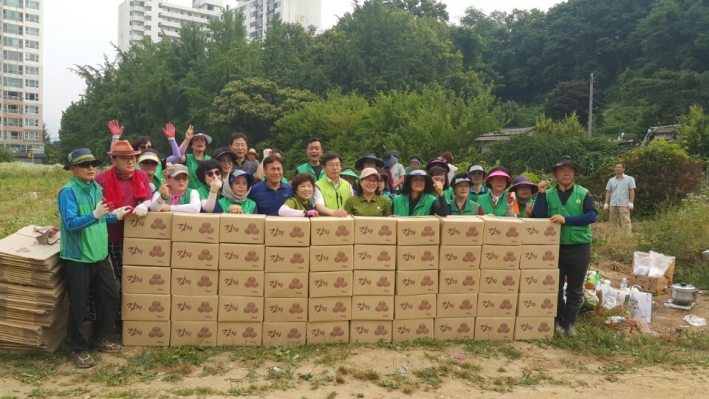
573,207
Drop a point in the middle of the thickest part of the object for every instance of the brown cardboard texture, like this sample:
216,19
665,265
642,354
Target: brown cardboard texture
417,282
494,328
287,232
330,309
199,333
424,257
242,229
373,307
537,305
287,259
370,332
285,309
285,285
374,282
145,307
539,281
500,257
329,284
499,281
539,257
374,230
194,282
190,255
375,257
462,231
239,333
459,258
452,329
155,225
146,333
456,305
458,281
240,308
653,285
331,258
418,230
496,305
145,252
145,280
404,330
332,231
540,232
534,328
195,227
241,257
195,308
502,231
283,334
414,306
241,283
328,331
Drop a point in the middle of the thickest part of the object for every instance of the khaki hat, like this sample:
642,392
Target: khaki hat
148,156
253,151
177,169
366,172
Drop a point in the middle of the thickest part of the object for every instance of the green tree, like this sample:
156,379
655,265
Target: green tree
693,132
6,155
423,8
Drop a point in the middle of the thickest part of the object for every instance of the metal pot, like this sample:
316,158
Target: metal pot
683,293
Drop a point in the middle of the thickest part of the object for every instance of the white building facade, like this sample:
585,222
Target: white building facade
259,13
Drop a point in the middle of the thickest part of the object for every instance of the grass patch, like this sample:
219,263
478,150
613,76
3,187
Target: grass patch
197,391
366,375
432,376
399,382
129,394
332,395
29,369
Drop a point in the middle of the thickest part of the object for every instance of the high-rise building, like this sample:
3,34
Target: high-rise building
22,57
259,13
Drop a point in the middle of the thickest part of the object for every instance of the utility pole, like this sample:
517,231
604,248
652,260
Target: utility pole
590,109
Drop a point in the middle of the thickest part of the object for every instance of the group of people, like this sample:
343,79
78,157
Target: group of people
93,205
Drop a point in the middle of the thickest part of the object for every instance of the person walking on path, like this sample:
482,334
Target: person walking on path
620,194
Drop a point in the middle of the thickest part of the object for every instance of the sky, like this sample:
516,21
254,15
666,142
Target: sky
82,32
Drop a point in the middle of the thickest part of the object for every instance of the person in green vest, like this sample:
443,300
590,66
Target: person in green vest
209,173
574,208
226,160
460,203
301,203
331,191
313,166
523,188
175,195
414,162
420,196
477,175
368,202
497,200
235,194
351,176
198,142
149,163
440,175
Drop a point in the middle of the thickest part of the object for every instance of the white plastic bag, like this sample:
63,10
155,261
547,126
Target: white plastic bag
641,305
660,263
612,297
641,263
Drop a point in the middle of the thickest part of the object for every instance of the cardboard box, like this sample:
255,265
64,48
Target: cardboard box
374,257
500,257
373,307
283,334
195,227
459,258
195,308
285,309
194,282
287,259
374,230
240,308
451,329
242,229
404,330
331,258
191,255
374,282
239,333
329,284
539,257
145,307
417,282
499,281
287,232
146,333
534,328
496,305
145,252
332,231
418,230
198,333
456,305
655,286
370,332
414,306
330,309
502,231
458,281
241,257
540,232
241,283
285,285
145,280
154,225
424,257
462,231
537,305
326,332
541,281
494,328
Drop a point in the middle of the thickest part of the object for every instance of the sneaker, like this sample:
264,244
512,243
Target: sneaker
109,347
571,332
84,360
559,330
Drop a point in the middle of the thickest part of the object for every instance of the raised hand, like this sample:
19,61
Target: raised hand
216,185
164,192
189,134
169,130
115,128
543,185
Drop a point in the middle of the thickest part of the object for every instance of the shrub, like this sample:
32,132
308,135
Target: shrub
6,155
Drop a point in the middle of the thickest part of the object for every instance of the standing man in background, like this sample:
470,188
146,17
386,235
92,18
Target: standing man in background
313,166
620,194
239,146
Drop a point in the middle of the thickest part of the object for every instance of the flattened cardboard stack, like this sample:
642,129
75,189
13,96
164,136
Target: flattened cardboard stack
33,303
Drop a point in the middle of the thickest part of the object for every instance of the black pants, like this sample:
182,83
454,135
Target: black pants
99,277
115,252
573,266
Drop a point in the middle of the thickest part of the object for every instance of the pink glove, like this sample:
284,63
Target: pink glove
169,130
510,199
115,128
311,213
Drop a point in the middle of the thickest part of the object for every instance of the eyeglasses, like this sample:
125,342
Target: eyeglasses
333,165
126,159
212,173
371,181
86,165
145,146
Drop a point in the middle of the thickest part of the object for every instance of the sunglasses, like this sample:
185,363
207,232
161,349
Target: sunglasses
86,165
212,173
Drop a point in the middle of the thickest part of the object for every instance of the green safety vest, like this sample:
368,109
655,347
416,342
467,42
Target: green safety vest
573,207
297,204
307,168
334,198
471,208
191,162
400,205
523,209
486,203
92,241
247,206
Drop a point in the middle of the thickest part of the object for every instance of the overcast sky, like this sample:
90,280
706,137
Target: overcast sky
81,32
